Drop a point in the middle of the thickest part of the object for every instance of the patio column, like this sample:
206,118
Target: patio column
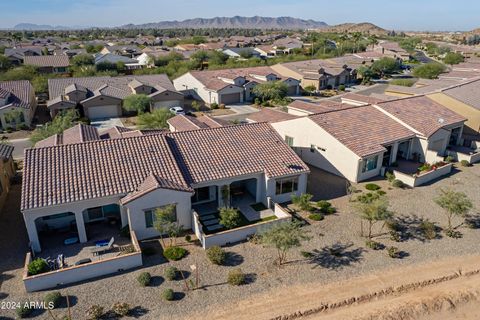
32,233
258,196
82,234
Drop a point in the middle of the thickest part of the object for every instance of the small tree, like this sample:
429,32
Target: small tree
310,89
429,70
373,212
303,201
271,90
229,217
61,122
166,223
284,237
196,105
454,204
137,102
157,119
83,60
453,58
385,66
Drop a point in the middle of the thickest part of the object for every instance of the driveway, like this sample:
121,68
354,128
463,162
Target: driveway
19,146
106,123
241,112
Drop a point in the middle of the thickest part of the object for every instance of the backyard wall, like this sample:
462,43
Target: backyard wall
415,181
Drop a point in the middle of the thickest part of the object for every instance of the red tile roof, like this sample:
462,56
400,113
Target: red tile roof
318,107
184,122
47,61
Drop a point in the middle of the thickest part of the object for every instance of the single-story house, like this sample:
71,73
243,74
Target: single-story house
17,55
49,64
17,103
241,53
102,97
229,86
129,178
110,58
123,50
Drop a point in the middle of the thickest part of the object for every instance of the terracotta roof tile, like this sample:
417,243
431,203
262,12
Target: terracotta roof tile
270,115
47,61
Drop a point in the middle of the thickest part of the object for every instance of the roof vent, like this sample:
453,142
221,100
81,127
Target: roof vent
441,120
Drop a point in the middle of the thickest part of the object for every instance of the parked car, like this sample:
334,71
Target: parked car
177,110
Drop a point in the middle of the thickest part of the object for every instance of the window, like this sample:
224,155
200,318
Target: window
288,185
150,215
369,164
289,141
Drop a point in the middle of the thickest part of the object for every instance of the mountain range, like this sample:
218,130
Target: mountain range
37,27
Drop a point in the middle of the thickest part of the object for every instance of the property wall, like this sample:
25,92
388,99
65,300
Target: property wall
7,168
154,199
415,181
329,154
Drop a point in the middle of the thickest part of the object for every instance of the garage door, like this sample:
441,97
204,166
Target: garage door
292,91
167,104
102,112
230,98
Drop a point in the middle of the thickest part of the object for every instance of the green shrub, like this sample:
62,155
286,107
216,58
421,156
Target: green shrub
395,236
453,233
175,253
449,159
216,255
390,176
257,101
381,192
121,309
397,183
373,244
144,279
302,201
403,82
316,216
393,252
148,251
94,312
53,299
188,238
341,87
372,186
23,311
306,254
168,294
326,207
171,273
465,163
368,197
236,277
214,106
37,266
428,229
392,224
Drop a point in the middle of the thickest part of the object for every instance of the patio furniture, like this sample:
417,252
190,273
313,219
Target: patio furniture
104,249
83,261
70,241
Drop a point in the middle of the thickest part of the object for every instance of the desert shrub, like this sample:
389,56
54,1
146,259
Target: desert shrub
148,251
188,238
236,277
23,311
390,176
306,254
121,309
393,252
341,87
144,279
53,298
403,82
168,294
257,101
171,273
255,239
368,197
373,244
216,255
449,159
428,229
94,312
381,192
326,207
303,201
175,253
465,163
372,186
397,183
37,266
214,106
395,236
316,216
392,225
455,234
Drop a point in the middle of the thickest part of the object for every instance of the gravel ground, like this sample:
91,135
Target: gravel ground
341,229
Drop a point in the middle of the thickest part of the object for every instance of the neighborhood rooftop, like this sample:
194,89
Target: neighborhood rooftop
468,93
18,93
48,61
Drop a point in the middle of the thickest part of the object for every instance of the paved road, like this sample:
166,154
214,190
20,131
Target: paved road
422,57
20,145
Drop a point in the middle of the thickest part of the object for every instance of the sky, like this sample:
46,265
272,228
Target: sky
418,15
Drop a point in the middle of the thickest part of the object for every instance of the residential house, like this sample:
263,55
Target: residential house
7,171
17,103
288,44
230,86
391,49
130,51
114,59
17,55
185,123
241,53
102,97
197,169
147,59
49,64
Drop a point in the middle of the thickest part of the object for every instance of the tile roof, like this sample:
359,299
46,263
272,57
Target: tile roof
361,98
112,58
76,134
22,93
270,115
468,93
364,130
47,61
319,107
184,122
421,113
6,151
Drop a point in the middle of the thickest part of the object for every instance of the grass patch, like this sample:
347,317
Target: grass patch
403,82
258,206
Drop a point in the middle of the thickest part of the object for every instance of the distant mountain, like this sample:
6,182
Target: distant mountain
37,27
364,27
234,22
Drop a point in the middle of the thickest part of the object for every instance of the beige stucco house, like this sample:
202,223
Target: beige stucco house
17,103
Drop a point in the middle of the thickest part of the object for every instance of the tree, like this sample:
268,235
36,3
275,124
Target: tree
137,102
310,89
429,70
229,217
217,58
14,117
303,201
373,212
454,204
283,237
40,84
5,64
166,223
453,58
271,90
245,54
61,122
385,66
82,60
157,119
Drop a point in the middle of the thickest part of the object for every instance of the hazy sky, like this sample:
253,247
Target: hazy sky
390,14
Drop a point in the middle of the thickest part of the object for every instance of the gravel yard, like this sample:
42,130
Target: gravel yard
340,230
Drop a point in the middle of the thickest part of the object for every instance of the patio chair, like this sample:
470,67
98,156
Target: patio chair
104,249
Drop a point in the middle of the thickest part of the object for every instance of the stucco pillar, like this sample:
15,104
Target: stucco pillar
32,233
82,234
258,196
124,216
394,154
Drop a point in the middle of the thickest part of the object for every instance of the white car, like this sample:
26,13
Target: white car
177,110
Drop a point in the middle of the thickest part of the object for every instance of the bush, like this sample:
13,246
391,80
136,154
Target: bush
368,197
144,279
303,201
214,106
188,238
37,266
449,159
372,186
465,163
392,224
316,216
381,192
23,310
393,252
453,233
403,82
257,101
168,294
326,207
373,244
229,217
428,229
390,176
397,183
53,298
216,255
341,87
94,312
171,273
429,70
395,236
236,277
175,253
121,309
306,254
